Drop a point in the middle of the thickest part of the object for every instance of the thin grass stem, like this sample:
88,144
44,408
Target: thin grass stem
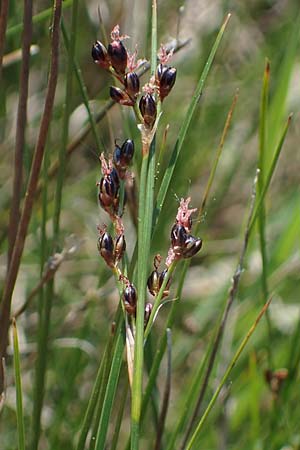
82,88
20,128
115,439
225,376
111,388
37,18
19,395
32,183
166,396
218,338
185,125
88,417
262,215
146,201
270,172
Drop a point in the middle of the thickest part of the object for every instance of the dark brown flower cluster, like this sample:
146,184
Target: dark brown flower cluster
156,279
112,249
123,66
183,244
113,171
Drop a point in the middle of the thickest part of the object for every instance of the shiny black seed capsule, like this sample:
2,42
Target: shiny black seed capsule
148,109
120,96
132,83
130,299
118,56
120,247
191,247
167,81
99,55
106,248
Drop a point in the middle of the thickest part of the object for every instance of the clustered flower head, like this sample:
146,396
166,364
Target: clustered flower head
111,248
124,65
183,244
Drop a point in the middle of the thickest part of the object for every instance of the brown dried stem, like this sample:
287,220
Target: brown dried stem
20,128
32,184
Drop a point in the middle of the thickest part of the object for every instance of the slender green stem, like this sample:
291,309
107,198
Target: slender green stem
270,172
45,319
111,388
139,335
163,341
82,88
146,197
116,435
190,399
166,396
154,37
65,125
225,377
262,216
91,404
41,364
20,416
40,17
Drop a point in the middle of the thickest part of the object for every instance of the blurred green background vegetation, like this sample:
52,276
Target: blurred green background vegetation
247,415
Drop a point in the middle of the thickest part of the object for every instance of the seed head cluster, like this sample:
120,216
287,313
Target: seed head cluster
124,67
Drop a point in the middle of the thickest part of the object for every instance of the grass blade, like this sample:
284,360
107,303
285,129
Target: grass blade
37,18
111,388
225,376
262,215
190,399
20,416
163,341
166,397
185,125
221,326
277,113
91,405
82,87
115,439
270,172
146,202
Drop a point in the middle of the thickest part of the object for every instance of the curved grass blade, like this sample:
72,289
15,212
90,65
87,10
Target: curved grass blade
190,399
20,417
233,362
163,341
185,125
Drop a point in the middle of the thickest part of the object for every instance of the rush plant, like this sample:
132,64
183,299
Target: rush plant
123,357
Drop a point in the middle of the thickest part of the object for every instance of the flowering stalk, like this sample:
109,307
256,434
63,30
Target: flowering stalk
123,65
